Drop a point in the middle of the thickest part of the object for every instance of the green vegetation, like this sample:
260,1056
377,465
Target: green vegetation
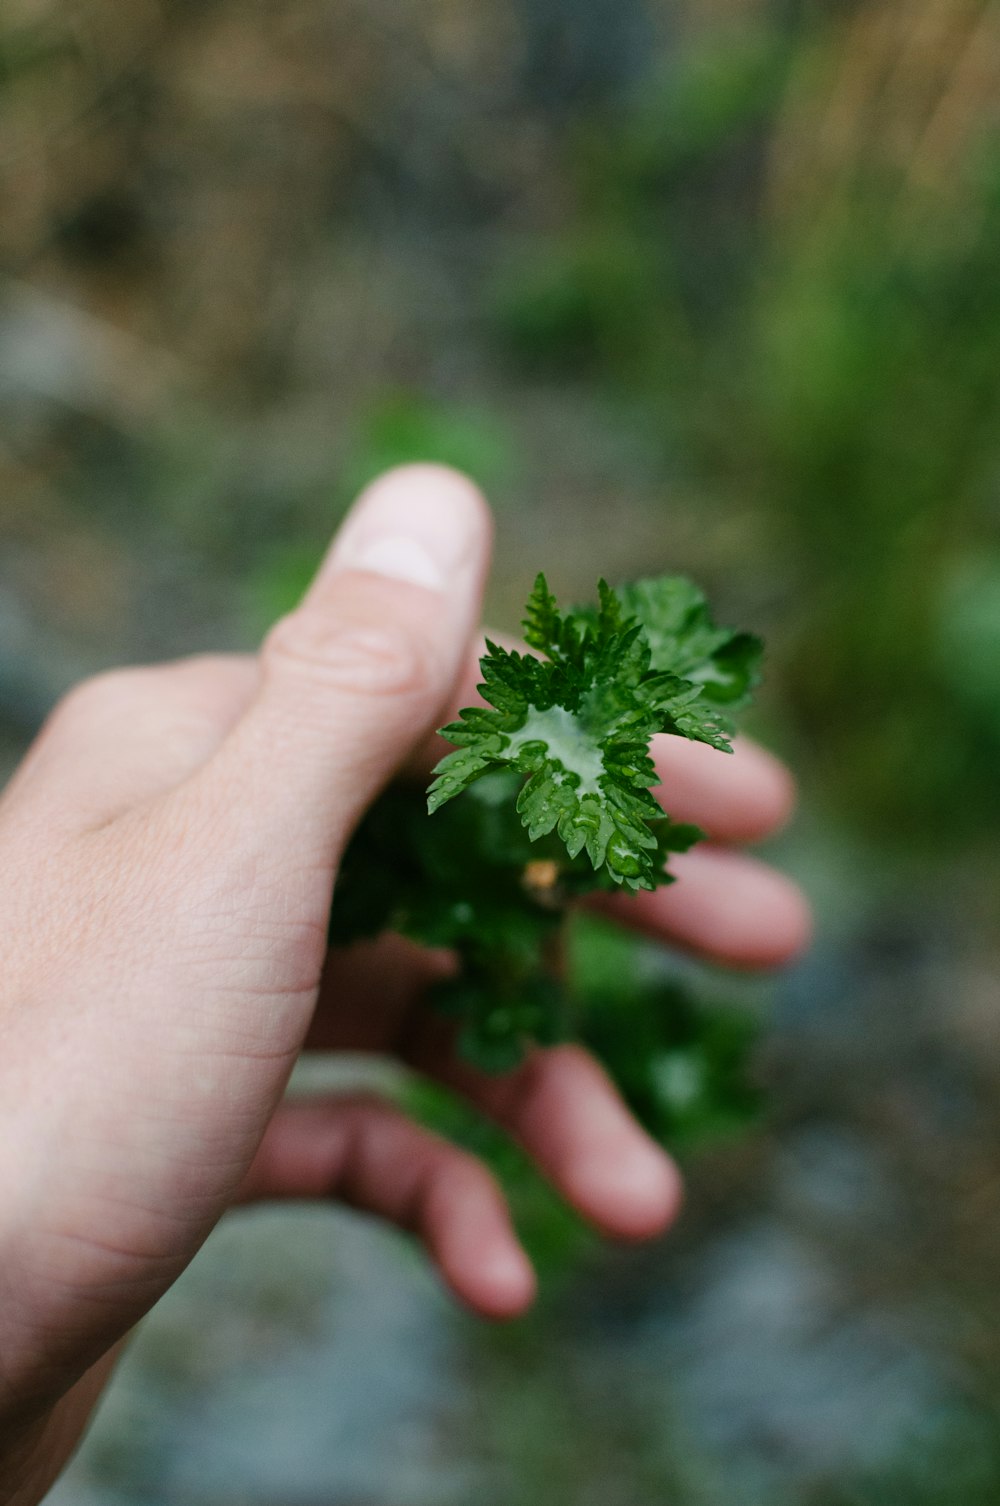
554,776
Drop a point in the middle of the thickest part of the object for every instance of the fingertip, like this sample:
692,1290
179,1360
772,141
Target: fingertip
508,1284
659,1209
438,492
726,906
633,1192
739,798
500,1285
467,1227
794,925
769,922
769,789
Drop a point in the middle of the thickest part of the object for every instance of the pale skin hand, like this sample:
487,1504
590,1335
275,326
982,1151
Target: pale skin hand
169,850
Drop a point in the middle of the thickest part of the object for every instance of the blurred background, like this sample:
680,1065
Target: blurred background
700,285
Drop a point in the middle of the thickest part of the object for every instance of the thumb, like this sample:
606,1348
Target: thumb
361,670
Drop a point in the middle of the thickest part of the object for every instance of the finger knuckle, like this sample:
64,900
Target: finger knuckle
383,659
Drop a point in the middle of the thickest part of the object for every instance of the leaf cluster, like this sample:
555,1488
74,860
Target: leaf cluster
578,723
555,775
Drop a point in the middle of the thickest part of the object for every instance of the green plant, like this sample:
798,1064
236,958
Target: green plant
546,798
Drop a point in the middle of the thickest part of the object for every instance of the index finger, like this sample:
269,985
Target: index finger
740,797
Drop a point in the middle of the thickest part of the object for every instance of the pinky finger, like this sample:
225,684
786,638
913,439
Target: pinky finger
362,1151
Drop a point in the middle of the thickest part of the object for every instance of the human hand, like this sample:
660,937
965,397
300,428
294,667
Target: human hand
170,847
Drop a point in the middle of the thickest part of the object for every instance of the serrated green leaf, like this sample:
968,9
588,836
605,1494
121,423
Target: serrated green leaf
578,724
454,774
684,640
542,622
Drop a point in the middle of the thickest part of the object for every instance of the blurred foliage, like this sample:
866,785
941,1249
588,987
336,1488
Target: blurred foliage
785,255
531,1434
956,1464
404,427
